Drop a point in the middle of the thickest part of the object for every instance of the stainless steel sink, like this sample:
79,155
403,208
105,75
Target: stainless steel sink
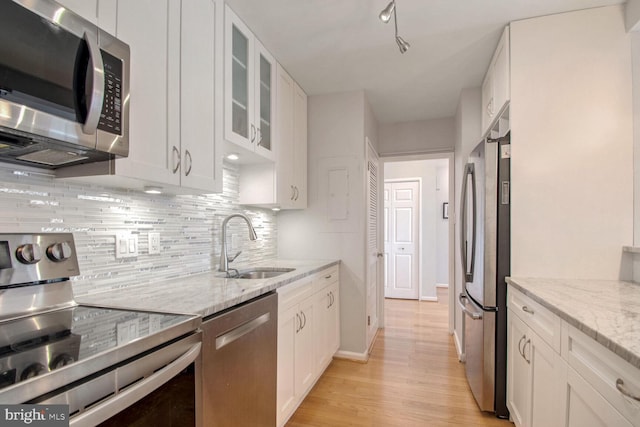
263,273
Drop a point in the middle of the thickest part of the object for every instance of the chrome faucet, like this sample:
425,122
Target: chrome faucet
224,258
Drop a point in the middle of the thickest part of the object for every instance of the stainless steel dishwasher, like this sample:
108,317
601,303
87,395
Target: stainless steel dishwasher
239,360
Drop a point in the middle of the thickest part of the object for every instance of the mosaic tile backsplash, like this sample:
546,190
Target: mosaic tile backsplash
189,227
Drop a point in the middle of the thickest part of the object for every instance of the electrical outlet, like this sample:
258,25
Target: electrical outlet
154,243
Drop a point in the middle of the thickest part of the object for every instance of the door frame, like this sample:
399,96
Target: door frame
384,277
449,155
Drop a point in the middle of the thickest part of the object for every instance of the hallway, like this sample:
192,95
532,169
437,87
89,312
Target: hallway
413,377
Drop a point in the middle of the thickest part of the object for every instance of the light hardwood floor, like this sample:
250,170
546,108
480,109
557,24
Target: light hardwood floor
413,378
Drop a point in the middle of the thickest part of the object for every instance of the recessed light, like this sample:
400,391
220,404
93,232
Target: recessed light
233,156
275,209
149,189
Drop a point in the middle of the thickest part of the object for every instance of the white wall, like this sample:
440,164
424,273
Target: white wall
635,53
417,137
430,210
572,168
632,14
336,130
442,225
468,125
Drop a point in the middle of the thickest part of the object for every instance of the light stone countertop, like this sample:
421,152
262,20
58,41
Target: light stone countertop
607,311
204,294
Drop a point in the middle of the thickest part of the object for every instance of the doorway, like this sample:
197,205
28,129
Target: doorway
427,256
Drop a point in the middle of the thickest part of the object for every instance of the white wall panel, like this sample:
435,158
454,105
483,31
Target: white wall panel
572,148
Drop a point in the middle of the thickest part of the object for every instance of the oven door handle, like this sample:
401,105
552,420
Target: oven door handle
128,397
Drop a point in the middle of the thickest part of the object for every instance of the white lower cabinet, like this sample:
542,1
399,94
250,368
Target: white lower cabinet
566,379
308,337
586,407
535,371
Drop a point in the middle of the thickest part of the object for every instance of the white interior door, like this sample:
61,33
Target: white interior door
373,171
402,232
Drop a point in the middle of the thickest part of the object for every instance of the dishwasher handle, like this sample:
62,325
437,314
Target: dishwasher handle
240,331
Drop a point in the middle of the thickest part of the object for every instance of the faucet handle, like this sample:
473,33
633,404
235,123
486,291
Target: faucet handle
231,258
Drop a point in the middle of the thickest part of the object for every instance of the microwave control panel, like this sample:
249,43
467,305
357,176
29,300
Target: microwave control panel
111,117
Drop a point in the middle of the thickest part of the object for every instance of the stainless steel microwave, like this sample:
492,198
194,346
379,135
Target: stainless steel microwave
64,87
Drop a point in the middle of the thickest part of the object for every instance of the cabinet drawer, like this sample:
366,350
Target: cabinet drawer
326,277
602,369
295,292
546,324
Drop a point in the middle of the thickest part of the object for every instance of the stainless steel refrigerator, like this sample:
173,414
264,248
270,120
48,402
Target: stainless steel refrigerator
485,254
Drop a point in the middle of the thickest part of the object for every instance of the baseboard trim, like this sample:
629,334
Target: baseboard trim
434,299
442,285
459,350
351,355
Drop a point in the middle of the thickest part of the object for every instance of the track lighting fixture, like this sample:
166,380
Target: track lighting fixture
385,16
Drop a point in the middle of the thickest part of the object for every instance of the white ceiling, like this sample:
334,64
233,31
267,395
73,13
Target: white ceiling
340,45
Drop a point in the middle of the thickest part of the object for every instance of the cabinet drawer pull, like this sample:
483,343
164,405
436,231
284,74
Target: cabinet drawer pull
622,389
304,320
329,297
328,277
298,323
527,309
333,299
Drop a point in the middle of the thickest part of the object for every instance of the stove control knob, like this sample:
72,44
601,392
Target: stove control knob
59,251
32,371
29,253
61,360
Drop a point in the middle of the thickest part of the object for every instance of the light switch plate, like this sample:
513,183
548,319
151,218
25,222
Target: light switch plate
126,245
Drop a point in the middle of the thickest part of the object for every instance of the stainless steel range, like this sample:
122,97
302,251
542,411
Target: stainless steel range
110,366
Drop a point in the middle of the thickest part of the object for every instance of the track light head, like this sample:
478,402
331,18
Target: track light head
385,15
402,44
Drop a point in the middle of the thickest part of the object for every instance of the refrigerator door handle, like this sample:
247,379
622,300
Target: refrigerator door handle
468,265
475,315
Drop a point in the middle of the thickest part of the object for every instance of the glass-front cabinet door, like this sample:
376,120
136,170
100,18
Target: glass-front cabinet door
249,89
265,102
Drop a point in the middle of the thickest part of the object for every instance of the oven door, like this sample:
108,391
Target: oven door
162,387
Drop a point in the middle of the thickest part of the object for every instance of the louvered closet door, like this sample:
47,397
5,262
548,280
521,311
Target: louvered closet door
373,168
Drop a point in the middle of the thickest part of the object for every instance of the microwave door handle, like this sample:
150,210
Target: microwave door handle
97,94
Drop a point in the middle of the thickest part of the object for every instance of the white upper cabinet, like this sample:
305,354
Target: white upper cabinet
282,184
88,9
173,77
249,82
496,87
291,164
201,164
